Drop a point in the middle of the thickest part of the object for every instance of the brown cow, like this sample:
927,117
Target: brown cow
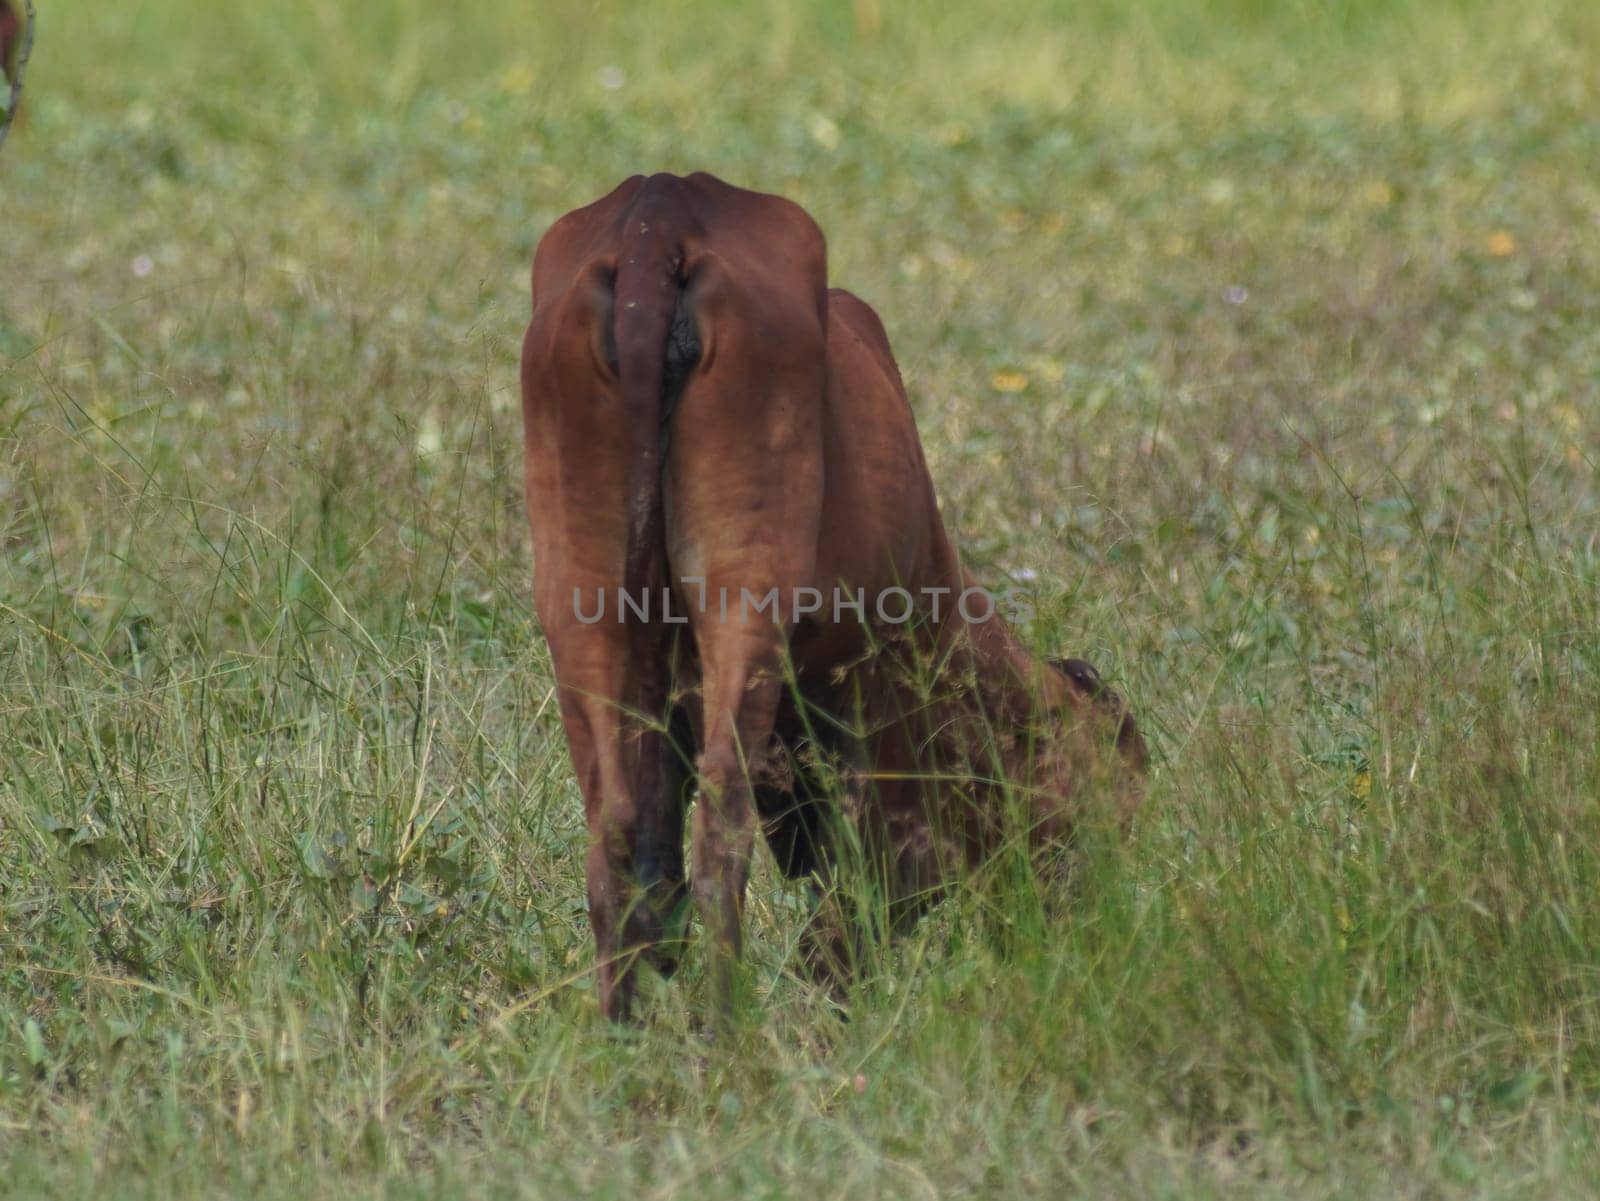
10,38
15,36
739,565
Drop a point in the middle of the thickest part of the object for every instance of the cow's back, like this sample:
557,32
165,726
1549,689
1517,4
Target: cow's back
881,522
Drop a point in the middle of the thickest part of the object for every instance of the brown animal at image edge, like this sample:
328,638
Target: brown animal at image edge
16,36
10,38
705,417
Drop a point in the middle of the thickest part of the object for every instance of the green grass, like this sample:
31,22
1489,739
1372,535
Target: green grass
1266,335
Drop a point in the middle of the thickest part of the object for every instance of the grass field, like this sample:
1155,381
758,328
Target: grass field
1265,336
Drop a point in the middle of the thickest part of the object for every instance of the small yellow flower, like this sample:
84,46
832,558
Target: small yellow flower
1501,244
1378,194
1009,381
1049,370
517,79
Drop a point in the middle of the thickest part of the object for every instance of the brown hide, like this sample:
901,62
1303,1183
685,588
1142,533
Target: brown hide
708,425
10,37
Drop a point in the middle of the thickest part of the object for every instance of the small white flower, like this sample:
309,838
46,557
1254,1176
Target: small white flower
429,436
612,77
1237,294
142,265
824,131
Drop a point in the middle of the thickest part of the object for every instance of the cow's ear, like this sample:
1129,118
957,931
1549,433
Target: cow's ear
1086,681
1082,676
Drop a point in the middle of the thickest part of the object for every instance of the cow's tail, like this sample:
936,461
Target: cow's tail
647,305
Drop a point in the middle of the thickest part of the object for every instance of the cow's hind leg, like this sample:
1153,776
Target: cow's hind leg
742,495
659,845
613,707
612,795
741,693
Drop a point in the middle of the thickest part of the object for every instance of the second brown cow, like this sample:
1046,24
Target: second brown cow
754,611
10,39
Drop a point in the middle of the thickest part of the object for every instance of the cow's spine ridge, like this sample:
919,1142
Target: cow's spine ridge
646,298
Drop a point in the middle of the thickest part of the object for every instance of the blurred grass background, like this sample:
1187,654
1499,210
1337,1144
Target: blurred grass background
1260,338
